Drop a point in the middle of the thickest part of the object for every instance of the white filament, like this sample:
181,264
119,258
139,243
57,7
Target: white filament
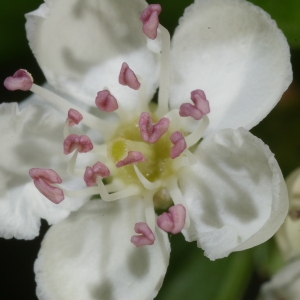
197,134
173,114
66,129
145,182
64,106
149,209
72,163
164,80
130,190
114,186
79,193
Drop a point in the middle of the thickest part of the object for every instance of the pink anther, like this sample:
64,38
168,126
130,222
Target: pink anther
133,157
150,20
179,143
42,179
21,80
145,237
150,132
127,77
91,173
174,220
74,117
105,101
82,143
198,110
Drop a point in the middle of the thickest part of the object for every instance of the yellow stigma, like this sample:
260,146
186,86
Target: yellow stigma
117,149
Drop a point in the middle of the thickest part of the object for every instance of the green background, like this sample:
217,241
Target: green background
190,275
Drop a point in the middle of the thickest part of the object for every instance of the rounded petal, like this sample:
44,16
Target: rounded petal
234,52
287,237
30,138
86,56
236,196
89,255
285,284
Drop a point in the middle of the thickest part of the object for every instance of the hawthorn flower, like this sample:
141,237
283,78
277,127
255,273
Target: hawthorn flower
285,284
287,236
190,154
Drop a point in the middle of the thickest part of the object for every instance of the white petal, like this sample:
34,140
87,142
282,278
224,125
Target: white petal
287,236
30,138
235,194
89,255
233,51
285,284
81,45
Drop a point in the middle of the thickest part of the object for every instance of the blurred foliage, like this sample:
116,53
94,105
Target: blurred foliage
190,275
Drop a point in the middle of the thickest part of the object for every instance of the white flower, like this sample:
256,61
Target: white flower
287,237
227,192
285,284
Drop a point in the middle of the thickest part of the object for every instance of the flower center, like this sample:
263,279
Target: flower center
157,164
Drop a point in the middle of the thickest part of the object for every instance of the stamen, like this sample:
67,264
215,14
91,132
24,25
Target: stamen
177,197
150,132
72,163
90,191
192,158
150,20
82,143
91,173
143,96
174,220
200,108
145,182
149,209
21,80
60,103
179,143
105,101
180,162
173,115
197,134
74,117
42,179
127,77
132,158
100,189
146,236
115,185
64,106
130,190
